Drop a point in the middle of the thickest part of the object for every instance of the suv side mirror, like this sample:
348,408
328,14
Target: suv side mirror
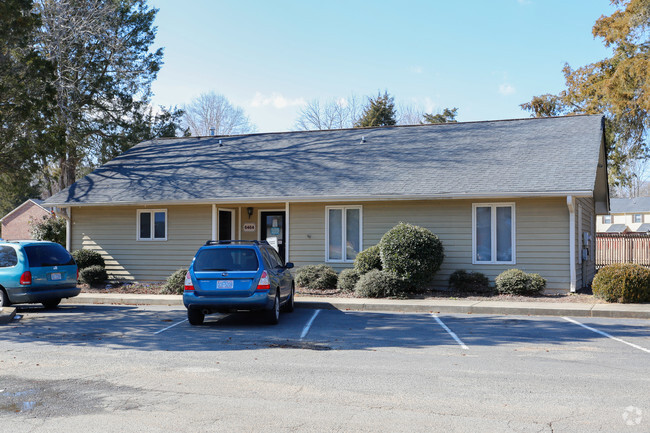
289,265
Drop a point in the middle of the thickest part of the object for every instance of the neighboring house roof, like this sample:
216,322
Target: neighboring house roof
36,201
629,205
643,228
617,228
507,158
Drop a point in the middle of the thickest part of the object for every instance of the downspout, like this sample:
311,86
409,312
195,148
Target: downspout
64,213
286,225
570,202
214,222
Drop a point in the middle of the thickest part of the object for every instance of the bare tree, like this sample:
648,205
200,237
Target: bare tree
409,115
638,184
214,111
332,114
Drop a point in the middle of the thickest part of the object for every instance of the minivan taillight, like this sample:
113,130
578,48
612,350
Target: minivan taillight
188,283
26,278
264,283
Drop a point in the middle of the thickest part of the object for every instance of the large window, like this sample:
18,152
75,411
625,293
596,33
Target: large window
152,225
493,233
343,232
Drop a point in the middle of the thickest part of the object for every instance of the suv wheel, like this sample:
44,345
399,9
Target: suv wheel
290,305
273,315
52,303
195,317
4,299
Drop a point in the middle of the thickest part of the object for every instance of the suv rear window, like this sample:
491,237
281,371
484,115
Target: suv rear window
8,257
40,256
226,259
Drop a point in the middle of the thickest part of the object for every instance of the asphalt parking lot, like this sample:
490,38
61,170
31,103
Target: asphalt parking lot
123,368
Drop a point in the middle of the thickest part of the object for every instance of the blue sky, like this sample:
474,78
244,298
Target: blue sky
271,57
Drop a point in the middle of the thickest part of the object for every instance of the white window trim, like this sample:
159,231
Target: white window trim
493,234
611,220
634,218
151,212
344,232
232,223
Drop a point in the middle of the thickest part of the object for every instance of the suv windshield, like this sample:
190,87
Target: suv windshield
40,256
226,259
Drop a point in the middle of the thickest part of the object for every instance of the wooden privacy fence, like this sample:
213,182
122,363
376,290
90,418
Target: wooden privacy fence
622,248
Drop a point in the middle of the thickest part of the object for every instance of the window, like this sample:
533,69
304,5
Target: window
607,219
493,233
152,225
226,259
343,233
40,256
8,257
638,218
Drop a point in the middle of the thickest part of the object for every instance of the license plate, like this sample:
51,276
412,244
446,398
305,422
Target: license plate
55,276
225,284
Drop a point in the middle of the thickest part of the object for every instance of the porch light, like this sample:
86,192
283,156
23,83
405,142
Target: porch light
250,212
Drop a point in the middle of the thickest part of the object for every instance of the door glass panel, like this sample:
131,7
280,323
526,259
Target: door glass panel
504,234
145,225
483,234
159,225
352,233
274,227
335,235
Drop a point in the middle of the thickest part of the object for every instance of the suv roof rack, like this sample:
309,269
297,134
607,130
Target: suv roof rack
223,242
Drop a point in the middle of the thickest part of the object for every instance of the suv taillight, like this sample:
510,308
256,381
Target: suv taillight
26,278
264,283
188,283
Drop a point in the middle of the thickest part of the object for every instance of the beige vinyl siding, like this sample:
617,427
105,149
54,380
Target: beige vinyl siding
542,234
585,269
112,232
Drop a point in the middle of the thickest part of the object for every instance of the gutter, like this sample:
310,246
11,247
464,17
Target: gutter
570,202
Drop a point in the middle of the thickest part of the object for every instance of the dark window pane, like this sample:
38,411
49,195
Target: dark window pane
39,256
275,258
145,225
225,225
226,259
8,257
159,225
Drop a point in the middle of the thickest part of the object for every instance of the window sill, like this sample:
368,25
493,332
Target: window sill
340,261
151,240
493,263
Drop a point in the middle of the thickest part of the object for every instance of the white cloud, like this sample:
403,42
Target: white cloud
506,89
275,100
417,69
524,2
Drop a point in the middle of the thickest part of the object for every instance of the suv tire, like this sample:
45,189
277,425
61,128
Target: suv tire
195,317
4,299
289,306
272,316
51,304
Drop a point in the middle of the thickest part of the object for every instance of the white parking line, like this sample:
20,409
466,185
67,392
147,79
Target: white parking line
450,332
605,334
169,327
305,330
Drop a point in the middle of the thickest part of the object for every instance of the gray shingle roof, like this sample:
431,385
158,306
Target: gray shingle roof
629,205
643,228
617,228
502,158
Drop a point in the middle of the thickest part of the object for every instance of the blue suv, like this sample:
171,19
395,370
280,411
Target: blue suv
36,272
227,276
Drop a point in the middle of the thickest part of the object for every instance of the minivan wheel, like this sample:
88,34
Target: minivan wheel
52,303
289,306
4,299
195,317
273,315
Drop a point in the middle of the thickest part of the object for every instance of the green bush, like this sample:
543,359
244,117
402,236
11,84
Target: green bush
516,282
316,277
411,253
464,281
622,282
368,260
49,228
93,275
347,280
175,284
379,284
87,258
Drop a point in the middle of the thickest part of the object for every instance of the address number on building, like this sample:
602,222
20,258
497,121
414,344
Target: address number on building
249,227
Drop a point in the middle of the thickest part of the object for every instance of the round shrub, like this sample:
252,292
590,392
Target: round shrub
368,260
347,280
411,253
316,277
517,282
175,284
93,275
468,282
379,284
622,282
87,258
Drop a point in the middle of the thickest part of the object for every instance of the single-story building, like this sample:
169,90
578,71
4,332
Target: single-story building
17,224
505,194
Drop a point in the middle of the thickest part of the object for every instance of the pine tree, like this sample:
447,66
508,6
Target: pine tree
380,111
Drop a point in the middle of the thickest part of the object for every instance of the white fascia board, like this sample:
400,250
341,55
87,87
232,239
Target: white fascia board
331,198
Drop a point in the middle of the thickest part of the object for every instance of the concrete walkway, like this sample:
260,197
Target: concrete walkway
633,311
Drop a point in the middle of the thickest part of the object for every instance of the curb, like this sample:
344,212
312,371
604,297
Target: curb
6,314
621,311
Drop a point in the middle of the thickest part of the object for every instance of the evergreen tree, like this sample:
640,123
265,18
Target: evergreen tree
380,111
448,115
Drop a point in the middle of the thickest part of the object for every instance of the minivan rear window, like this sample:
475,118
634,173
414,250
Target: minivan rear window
226,259
40,256
8,257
